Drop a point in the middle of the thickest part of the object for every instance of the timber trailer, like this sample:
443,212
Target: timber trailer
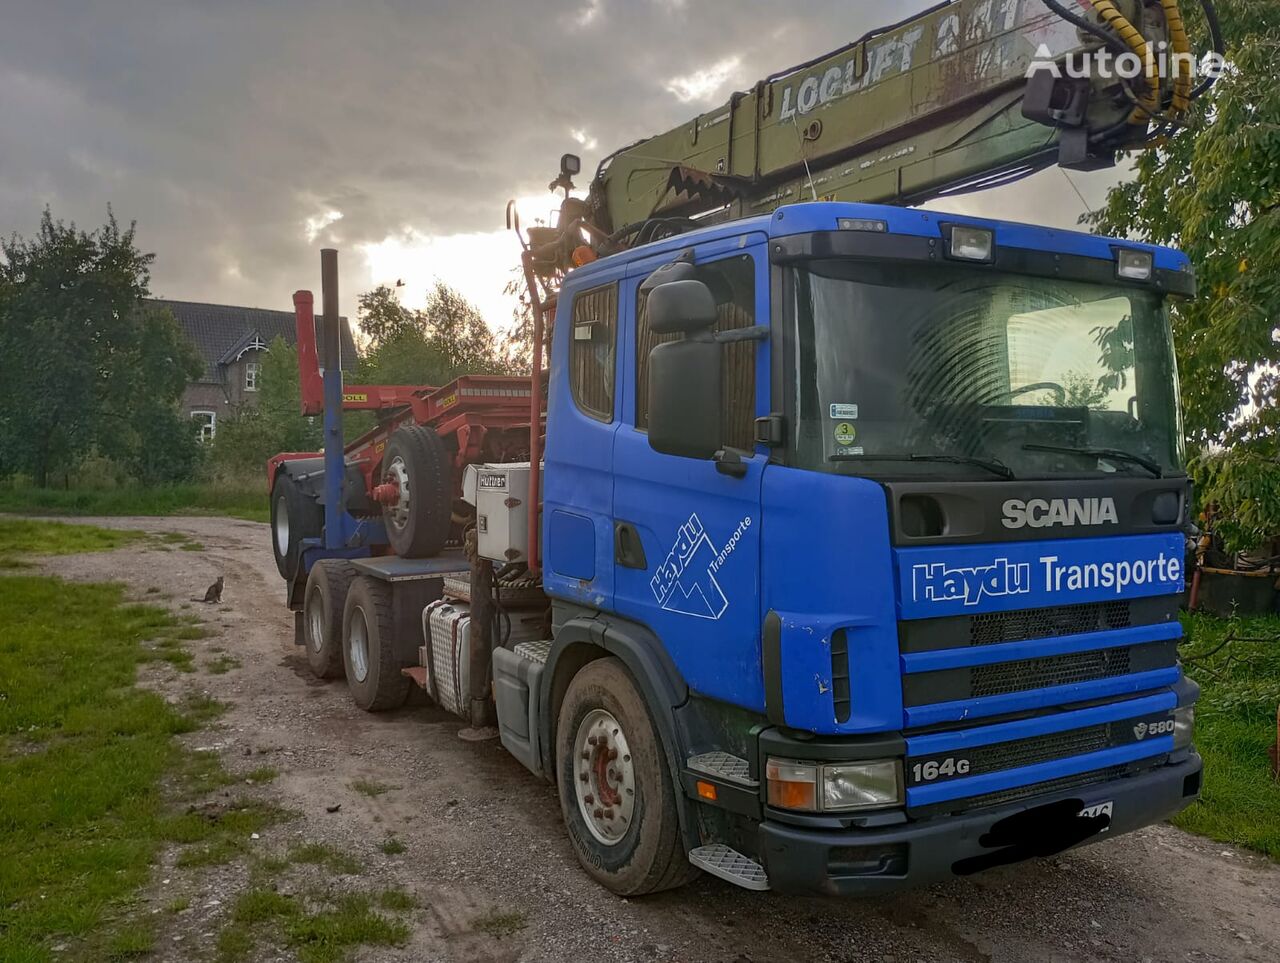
832,544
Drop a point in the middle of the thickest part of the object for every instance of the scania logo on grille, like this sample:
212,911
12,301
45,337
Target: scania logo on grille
1063,512
1163,727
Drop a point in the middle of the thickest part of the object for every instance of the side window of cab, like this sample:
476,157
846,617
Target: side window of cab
592,349
733,283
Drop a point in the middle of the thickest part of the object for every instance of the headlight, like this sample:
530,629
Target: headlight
1184,721
833,787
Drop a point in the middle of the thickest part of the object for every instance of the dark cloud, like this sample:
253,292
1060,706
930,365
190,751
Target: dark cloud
222,126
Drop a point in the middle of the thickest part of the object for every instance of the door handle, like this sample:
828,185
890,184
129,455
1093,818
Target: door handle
729,462
628,551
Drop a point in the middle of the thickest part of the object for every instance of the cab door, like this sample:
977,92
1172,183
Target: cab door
686,532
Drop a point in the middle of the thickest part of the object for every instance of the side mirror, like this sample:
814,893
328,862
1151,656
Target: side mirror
681,307
684,375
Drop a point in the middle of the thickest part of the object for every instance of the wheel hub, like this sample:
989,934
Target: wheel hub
604,782
315,619
358,645
282,526
397,473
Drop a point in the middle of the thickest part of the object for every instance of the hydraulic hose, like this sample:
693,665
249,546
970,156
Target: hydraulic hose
1181,49
1131,35
1215,35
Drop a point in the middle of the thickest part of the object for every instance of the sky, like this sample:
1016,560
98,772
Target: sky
244,135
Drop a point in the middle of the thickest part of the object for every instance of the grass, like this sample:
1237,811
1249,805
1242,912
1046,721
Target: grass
85,758
498,924
21,536
317,854
222,665
238,500
370,788
321,929
392,846
1235,724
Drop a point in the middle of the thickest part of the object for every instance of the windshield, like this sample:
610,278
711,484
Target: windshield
928,370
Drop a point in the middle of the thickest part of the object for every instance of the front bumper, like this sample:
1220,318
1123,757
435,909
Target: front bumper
864,862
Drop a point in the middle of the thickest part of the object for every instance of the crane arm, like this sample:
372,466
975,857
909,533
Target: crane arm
941,102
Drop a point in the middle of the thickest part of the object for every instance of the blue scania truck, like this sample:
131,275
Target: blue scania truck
849,553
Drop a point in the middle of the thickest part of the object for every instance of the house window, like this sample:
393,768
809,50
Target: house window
208,423
252,371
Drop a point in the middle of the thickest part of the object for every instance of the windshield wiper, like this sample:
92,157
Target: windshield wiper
990,464
1114,454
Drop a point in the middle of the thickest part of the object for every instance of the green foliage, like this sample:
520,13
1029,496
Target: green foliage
84,365
84,754
1244,484
238,498
1213,189
20,536
1235,724
445,339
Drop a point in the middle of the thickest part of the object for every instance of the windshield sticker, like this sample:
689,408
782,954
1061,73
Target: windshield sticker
686,582
845,434
844,412
857,450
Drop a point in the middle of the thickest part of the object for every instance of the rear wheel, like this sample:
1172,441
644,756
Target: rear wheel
327,586
294,516
616,791
369,649
417,461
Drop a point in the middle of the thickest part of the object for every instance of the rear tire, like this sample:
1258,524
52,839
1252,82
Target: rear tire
326,597
418,462
625,831
294,516
369,649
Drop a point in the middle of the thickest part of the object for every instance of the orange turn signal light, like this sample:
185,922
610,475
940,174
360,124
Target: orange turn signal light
583,255
706,791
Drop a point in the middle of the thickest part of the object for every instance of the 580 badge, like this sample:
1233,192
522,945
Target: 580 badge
938,768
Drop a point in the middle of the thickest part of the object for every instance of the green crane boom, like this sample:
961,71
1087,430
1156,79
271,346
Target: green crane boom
944,101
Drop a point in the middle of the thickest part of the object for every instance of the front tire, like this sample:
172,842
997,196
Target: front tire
369,650
616,791
326,597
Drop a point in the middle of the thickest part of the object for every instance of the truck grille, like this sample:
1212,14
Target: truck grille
1005,796
1002,677
1028,752
990,628
1053,622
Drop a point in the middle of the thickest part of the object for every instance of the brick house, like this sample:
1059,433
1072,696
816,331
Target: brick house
232,340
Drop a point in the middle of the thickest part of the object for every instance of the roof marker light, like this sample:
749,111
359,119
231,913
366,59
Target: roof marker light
862,224
972,243
1134,265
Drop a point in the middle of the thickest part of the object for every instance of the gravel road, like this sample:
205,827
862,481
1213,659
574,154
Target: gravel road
484,836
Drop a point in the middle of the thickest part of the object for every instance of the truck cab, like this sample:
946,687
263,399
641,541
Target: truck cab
879,512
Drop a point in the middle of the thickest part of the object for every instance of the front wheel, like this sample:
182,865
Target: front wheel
616,791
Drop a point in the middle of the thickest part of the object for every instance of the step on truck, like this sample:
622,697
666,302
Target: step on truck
830,546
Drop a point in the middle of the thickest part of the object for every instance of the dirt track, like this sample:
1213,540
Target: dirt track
482,834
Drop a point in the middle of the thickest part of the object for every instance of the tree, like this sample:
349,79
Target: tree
1213,190
447,338
84,364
